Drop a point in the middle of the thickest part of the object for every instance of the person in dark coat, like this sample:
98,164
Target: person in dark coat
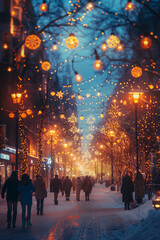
40,193
87,187
157,181
78,187
26,189
11,186
139,187
127,190
67,185
55,186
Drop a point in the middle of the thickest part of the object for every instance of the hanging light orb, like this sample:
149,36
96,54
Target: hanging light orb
29,111
88,95
5,46
98,94
46,66
79,96
104,47
90,6
136,72
9,69
72,96
43,7
120,47
39,112
72,42
55,48
102,115
62,116
98,65
151,86
78,77
32,42
146,42
112,41
129,6
52,94
23,115
81,117
11,115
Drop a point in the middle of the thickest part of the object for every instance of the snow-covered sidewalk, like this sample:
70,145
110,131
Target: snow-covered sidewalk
103,217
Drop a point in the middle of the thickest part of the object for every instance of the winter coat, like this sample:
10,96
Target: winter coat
11,186
139,186
78,184
55,185
73,183
26,191
67,185
87,185
40,189
127,189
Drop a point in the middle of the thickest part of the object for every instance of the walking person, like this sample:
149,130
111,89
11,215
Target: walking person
139,187
127,190
67,185
55,186
87,187
26,189
11,187
40,193
78,187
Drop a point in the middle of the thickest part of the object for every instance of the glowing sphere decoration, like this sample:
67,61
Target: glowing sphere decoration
43,7
120,47
78,77
62,116
9,69
5,46
29,111
90,6
146,42
72,42
129,6
81,117
46,66
136,72
112,41
52,94
98,65
11,115
32,42
102,115
104,47
55,48
79,96
23,115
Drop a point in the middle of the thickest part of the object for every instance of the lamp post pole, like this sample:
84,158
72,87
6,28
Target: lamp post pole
52,164
17,126
136,134
112,161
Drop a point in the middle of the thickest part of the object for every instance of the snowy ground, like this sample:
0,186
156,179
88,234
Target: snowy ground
102,218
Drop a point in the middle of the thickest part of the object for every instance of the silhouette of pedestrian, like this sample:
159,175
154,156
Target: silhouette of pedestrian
127,190
55,186
67,185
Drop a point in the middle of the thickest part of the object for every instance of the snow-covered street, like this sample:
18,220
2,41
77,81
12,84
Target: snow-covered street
103,217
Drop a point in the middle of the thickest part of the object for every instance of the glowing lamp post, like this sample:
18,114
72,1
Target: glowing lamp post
156,202
111,134
16,98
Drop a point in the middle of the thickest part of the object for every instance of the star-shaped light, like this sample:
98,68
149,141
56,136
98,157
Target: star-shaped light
59,94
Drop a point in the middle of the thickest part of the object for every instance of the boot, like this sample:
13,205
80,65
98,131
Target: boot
23,224
29,224
9,225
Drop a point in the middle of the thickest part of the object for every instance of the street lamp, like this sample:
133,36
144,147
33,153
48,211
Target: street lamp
65,146
111,134
52,159
136,100
16,98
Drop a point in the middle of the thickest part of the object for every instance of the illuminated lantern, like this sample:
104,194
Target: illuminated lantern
48,142
32,42
104,47
78,77
23,115
9,69
120,47
88,95
151,86
29,111
11,115
55,48
39,112
90,6
16,97
113,41
81,117
98,65
98,94
72,96
129,5
136,72
79,96
46,65
43,7
5,46
72,42
52,94
62,116
146,42
102,115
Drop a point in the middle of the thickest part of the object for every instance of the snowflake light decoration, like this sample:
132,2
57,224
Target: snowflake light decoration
91,128
136,72
73,119
103,130
76,138
91,119
113,41
89,136
73,129
59,94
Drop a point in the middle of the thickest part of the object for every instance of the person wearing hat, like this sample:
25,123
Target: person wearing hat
11,189
26,189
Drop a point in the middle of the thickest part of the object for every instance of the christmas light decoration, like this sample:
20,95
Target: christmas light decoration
98,65
52,94
59,94
23,138
43,7
32,42
29,111
78,77
62,116
113,41
79,96
136,72
55,48
98,94
46,66
81,117
5,46
129,5
90,6
72,42
16,97
9,69
104,47
11,115
146,42
120,47
23,115
102,115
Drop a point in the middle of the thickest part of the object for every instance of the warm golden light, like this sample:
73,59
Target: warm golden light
146,42
5,46
43,7
98,65
81,117
55,48
136,72
136,97
52,132
65,145
78,77
129,5
111,133
104,47
102,115
151,86
16,97
79,96
39,112
72,42
11,115
46,66
52,94
9,69
32,42
90,6
120,47
113,41
62,116
98,94
29,111
23,115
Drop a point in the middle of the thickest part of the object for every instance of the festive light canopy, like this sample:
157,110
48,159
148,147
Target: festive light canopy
32,42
